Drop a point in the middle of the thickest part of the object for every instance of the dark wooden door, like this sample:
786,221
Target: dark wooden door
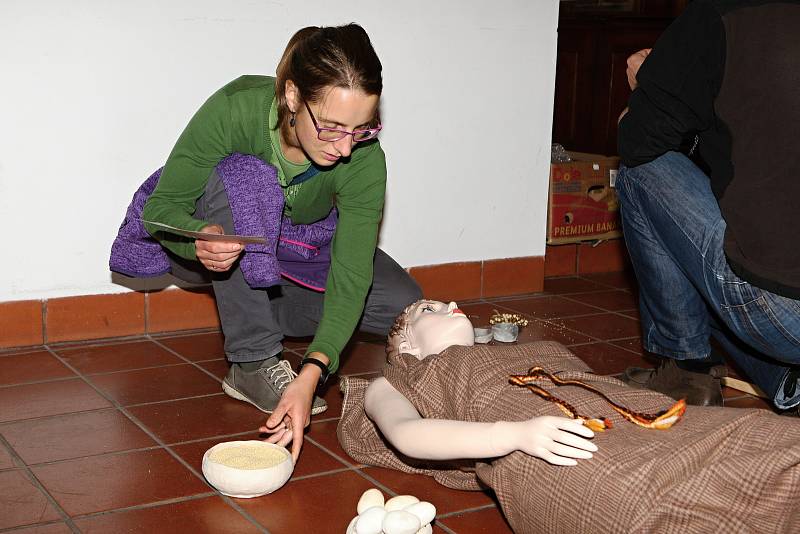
591,87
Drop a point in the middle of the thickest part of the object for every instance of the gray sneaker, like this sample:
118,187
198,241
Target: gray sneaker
263,388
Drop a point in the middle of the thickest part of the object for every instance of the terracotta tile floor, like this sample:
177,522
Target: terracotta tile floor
108,437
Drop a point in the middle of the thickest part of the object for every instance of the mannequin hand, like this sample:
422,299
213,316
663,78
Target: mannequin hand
557,440
216,256
634,62
292,414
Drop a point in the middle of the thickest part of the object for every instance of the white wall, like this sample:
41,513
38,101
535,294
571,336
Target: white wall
93,93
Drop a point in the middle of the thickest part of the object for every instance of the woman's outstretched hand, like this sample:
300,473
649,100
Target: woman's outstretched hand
216,256
556,440
293,413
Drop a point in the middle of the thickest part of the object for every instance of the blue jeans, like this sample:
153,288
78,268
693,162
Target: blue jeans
687,292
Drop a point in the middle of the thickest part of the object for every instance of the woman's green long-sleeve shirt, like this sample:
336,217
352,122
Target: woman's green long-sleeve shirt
241,117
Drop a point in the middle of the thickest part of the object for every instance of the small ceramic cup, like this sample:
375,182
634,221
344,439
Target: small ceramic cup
505,332
483,335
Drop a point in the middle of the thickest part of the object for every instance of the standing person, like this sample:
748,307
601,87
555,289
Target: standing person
316,123
717,254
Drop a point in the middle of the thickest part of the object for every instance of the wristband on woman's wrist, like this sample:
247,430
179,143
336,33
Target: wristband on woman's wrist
322,367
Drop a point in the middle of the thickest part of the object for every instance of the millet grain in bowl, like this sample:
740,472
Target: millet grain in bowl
247,457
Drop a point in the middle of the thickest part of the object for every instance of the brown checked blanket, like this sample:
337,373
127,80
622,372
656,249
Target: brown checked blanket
716,470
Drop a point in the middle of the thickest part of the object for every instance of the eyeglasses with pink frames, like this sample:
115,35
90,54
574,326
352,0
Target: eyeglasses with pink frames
332,134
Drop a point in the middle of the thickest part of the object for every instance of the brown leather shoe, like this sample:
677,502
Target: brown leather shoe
637,377
699,389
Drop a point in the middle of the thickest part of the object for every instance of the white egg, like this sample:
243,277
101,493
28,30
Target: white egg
371,497
370,521
426,529
400,522
424,511
400,502
351,528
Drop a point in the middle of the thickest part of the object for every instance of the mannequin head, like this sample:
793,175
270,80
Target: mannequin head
428,327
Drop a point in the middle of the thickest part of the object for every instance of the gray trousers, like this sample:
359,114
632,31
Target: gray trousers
254,321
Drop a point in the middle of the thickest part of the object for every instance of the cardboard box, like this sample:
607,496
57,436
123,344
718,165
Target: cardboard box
582,204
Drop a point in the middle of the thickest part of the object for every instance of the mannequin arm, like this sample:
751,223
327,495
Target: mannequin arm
554,439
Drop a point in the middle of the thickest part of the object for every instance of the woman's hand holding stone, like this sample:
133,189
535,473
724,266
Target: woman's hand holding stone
216,256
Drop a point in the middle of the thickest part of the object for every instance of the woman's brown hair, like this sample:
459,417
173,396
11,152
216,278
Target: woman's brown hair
334,56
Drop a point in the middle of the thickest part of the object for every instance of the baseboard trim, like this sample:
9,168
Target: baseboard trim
91,317
96,317
481,279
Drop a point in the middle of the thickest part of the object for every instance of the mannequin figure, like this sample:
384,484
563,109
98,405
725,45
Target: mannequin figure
445,408
427,328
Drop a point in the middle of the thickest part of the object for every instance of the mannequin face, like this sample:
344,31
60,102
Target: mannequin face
432,326
339,108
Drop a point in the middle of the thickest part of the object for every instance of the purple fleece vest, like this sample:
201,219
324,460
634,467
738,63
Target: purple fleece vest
299,252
